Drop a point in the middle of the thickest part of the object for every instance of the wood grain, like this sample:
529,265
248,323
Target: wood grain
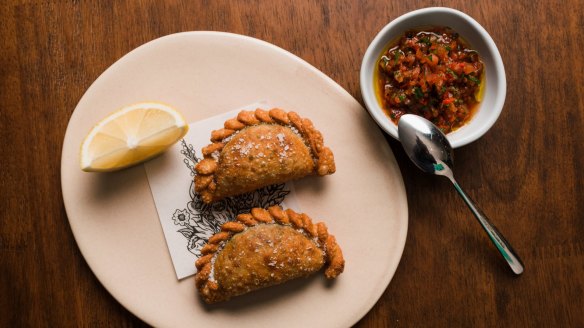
526,172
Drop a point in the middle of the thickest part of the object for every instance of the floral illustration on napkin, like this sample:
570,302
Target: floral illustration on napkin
199,221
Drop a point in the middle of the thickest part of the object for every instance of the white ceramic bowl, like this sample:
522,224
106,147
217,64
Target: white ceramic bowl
478,39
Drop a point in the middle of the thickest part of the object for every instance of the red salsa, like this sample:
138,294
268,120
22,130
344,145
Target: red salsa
431,73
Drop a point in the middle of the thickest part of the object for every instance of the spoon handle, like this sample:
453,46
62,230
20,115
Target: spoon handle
496,237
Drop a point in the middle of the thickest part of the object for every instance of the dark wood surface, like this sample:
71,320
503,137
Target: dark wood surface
526,172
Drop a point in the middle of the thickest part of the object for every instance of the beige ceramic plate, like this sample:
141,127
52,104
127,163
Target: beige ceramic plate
203,74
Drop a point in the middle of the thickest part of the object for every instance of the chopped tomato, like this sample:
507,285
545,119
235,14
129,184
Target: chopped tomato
431,73
448,101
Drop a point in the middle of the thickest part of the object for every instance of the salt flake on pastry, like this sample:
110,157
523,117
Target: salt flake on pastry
260,148
265,248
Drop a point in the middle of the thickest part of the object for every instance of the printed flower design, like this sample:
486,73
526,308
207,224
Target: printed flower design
195,245
181,217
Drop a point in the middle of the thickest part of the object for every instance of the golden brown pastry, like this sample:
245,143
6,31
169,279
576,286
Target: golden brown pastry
265,248
260,148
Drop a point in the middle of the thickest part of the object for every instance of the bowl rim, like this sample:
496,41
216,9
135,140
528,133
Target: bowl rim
461,136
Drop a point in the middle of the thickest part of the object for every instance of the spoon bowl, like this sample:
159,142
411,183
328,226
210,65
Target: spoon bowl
427,146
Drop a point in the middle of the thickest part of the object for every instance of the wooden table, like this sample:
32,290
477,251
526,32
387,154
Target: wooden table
526,172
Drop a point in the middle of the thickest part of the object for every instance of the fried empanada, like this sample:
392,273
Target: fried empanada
265,248
260,148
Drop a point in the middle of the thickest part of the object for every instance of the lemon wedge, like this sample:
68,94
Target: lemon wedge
130,136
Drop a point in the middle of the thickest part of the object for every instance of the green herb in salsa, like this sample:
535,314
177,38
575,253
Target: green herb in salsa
430,73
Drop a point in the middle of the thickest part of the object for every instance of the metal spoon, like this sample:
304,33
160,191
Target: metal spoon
429,149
